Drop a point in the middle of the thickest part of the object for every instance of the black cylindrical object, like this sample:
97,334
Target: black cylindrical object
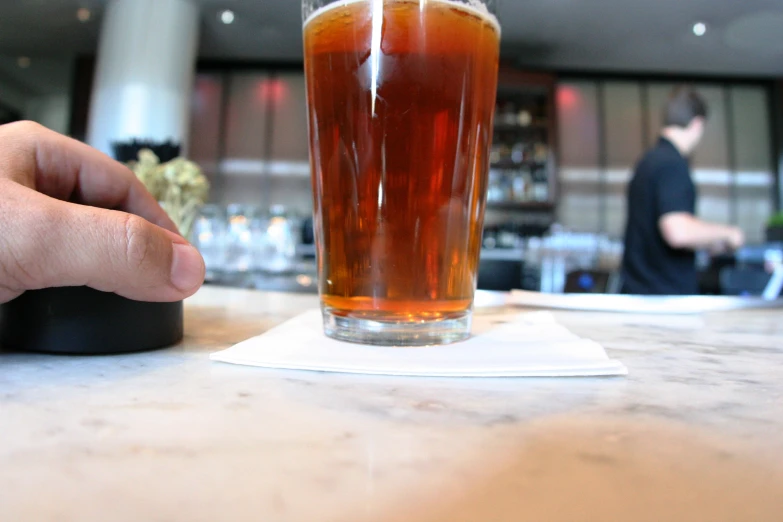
83,321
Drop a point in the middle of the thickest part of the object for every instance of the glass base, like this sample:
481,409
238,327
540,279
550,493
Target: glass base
446,330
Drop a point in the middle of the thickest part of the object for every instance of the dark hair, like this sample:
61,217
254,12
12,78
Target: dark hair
683,105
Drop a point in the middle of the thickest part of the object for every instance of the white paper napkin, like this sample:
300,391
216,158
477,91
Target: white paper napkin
523,345
615,303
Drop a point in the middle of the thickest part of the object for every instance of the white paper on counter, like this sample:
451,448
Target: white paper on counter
524,345
667,305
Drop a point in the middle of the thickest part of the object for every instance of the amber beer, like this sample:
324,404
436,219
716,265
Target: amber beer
401,95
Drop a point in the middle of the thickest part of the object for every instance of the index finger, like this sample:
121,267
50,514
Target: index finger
69,170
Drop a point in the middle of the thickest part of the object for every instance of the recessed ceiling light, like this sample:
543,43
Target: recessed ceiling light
227,16
699,28
83,14
23,62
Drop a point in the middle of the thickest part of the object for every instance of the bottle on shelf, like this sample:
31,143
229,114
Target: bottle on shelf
494,154
524,118
540,152
508,114
494,186
518,152
540,185
504,153
520,186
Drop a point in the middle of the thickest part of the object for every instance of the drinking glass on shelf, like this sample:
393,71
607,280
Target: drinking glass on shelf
277,242
241,228
401,97
209,237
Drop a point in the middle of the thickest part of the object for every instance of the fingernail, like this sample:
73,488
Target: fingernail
187,268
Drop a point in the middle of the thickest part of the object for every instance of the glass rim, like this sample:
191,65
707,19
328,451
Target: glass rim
485,8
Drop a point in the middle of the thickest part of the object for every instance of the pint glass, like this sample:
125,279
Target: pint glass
401,97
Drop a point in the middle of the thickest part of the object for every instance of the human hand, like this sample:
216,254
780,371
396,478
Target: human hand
123,242
735,239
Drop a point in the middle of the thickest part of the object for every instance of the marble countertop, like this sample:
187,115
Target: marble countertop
695,432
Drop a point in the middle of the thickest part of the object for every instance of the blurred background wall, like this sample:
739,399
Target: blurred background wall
579,100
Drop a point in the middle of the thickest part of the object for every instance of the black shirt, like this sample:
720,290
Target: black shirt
661,184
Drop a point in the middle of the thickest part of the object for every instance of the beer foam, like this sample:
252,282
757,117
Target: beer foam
474,7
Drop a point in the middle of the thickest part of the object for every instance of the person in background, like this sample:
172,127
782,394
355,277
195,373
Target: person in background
662,232
72,216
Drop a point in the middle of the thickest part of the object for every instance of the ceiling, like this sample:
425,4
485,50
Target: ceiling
744,37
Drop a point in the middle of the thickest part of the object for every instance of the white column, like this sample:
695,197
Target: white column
144,74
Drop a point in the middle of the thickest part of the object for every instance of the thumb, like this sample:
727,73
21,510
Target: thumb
65,244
